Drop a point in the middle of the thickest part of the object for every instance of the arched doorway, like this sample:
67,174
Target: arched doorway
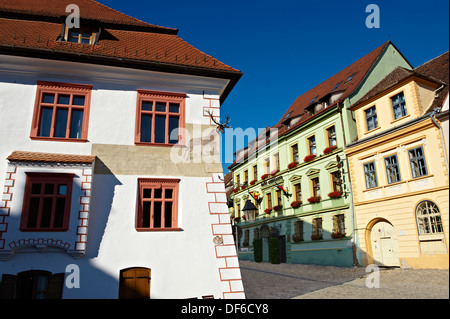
381,243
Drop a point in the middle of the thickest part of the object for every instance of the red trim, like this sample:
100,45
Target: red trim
57,88
46,178
165,97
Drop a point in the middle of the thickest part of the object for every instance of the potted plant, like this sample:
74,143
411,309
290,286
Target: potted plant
235,190
243,186
264,176
316,236
309,158
330,149
296,204
278,207
292,165
335,194
314,199
253,182
274,172
268,210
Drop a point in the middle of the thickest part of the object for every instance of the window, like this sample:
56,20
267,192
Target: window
246,177
160,118
392,169
336,86
83,35
46,205
428,218
298,192
315,187
399,105
338,224
337,182
278,196
350,78
371,118
331,135
269,200
417,162
277,161
238,179
370,175
298,228
267,165
157,205
237,213
32,284
294,152
317,231
255,172
312,145
61,111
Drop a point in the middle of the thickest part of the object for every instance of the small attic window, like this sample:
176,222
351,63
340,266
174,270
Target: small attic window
83,35
350,77
313,100
336,86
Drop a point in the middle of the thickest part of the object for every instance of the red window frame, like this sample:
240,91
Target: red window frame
150,192
161,97
46,193
57,89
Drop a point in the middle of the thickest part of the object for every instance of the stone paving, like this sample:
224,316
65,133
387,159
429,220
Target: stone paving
285,281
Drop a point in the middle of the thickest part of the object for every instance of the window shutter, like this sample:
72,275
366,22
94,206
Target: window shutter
8,287
55,286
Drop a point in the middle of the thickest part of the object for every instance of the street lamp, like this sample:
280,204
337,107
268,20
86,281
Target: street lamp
249,211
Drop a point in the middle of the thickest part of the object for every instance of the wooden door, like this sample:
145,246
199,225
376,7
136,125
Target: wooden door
135,283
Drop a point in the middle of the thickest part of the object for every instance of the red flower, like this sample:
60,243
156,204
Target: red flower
264,176
252,182
336,194
314,199
235,190
243,187
330,149
292,165
274,172
268,210
309,158
296,204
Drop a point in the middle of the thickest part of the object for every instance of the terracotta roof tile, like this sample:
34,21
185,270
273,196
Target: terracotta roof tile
20,156
157,45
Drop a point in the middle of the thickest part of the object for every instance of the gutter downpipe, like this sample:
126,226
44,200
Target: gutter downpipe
432,117
352,207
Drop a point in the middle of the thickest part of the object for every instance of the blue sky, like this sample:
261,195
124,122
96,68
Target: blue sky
285,48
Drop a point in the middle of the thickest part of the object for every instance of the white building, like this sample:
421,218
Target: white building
96,189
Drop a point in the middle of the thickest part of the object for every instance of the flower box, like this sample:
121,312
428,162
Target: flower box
253,182
278,207
264,176
316,236
274,172
235,190
329,150
296,204
243,187
314,199
237,219
334,195
292,165
336,235
309,158
296,238
268,210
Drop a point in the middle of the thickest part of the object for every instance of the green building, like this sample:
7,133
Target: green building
295,173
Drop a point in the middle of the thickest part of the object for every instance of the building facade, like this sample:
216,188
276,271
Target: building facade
105,194
399,168
296,172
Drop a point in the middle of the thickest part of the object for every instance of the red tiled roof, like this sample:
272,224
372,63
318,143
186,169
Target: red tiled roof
20,156
89,9
358,69
32,27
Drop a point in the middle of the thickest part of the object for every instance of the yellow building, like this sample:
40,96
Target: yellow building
399,169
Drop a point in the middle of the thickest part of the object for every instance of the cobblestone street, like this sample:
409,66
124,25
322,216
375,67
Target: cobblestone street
284,281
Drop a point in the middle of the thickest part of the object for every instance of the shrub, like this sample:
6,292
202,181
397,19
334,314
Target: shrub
274,250
257,250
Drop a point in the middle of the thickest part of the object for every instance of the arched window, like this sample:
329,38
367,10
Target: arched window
428,218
